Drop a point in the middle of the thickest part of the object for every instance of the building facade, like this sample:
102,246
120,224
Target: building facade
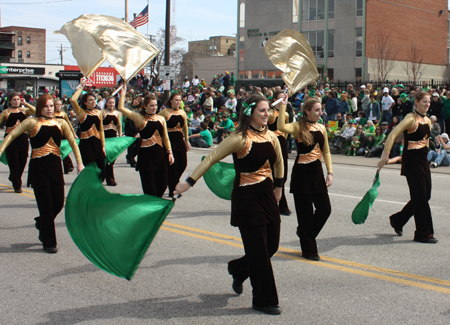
214,46
22,45
352,40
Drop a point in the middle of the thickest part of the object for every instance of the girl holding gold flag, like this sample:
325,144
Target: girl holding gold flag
112,126
256,153
45,170
152,129
92,138
307,182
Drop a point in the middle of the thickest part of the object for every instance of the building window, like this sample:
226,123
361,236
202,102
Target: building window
28,40
359,8
295,11
19,40
305,10
316,39
331,43
28,54
226,41
331,9
19,54
242,15
359,42
358,74
330,74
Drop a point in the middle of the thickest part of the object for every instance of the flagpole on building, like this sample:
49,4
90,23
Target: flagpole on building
148,11
167,45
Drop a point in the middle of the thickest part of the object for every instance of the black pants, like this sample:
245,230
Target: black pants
311,222
282,205
67,164
260,244
153,182
109,172
17,161
420,192
132,150
50,201
176,169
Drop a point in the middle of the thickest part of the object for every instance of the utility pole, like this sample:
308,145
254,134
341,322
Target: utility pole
126,11
61,53
167,45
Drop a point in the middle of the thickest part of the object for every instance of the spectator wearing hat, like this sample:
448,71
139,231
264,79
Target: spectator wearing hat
226,80
387,103
406,106
385,128
440,156
348,131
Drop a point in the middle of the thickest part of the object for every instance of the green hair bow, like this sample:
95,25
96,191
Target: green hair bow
248,108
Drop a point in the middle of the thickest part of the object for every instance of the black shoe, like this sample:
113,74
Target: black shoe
68,170
113,183
312,257
18,190
237,285
51,250
269,309
286,212
430,240
398,231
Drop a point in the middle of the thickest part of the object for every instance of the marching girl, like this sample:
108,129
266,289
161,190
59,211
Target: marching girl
308,185
17,152
177,127
256,154
112,127
273,118
416,129
92,138
152,129
67,162
45,173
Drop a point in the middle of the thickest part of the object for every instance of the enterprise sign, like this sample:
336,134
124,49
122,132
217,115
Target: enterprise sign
22,70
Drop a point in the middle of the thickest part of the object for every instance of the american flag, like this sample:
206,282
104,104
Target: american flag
140,19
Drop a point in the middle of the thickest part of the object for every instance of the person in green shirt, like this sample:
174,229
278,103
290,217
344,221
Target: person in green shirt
202,139
232,79
378,145
226,127
446,109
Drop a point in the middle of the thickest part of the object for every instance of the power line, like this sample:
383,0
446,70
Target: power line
32,3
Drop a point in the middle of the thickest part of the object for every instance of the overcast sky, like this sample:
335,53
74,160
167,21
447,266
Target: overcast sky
196,20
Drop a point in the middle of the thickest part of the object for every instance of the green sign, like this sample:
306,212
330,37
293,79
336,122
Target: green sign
3,69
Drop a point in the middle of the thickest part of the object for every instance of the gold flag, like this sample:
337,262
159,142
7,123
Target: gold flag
121,45
84,48
290,52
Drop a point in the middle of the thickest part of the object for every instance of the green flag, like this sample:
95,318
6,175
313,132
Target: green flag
65,148
220,178
112,230
361,210
113,147
3,157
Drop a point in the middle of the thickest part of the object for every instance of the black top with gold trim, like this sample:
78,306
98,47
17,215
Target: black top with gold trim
177,128
91,146
12,118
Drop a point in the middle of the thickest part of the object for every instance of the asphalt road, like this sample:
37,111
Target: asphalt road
367,274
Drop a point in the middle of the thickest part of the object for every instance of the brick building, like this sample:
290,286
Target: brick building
22,45
349,38
214,46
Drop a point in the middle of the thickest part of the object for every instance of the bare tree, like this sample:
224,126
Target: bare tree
385,53
414,64
176,53
187,66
